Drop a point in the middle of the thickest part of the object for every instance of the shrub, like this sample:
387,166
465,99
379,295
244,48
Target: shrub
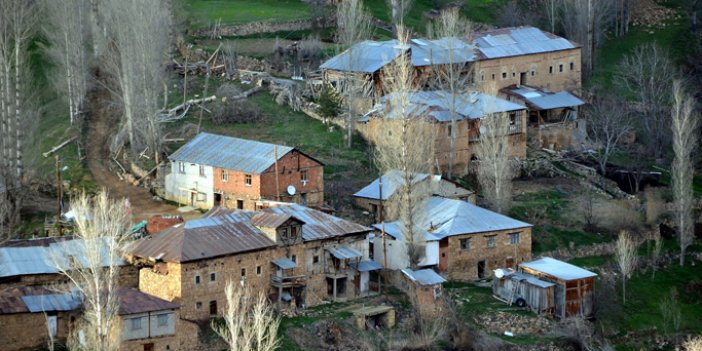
329,103
239,111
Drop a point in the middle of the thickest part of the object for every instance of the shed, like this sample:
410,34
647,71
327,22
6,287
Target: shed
524,290
575,287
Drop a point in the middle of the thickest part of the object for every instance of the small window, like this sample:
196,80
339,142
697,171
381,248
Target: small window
449,130
533,73
465,244
491,242
197,279
213,277
493,76
225,175
243,272
550,69
514,238
162,320
560,68
294,258
213,307
514,74
181,167
572,66
258,270
239,204
303,175
512,118
315,259
198,305
247,179
136,323
504,75
482,77
202,171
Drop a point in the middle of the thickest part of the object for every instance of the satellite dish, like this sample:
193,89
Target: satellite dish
482,129
499,273
291,190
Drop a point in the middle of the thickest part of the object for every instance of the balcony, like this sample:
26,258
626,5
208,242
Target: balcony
288,281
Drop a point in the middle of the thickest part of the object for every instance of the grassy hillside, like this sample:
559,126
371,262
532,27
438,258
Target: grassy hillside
205,12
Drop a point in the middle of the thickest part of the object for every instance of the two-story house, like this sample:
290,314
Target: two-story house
214,170
298,255
462,241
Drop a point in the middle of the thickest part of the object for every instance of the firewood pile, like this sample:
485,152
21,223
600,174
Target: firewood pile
648,13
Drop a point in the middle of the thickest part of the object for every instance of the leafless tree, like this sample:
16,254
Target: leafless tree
685,121
623,16
551,8
67,34
608,122
648,75
495,170
141,34
585,21
354,24
249,322
626,256
398,10
230,55
102,226
405,143
454,76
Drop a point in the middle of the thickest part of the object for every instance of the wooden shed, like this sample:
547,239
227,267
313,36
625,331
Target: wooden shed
524,290
575,287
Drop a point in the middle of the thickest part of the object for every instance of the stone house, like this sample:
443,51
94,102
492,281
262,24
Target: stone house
471,108
297,255
370,199
462,241
214,170
425,289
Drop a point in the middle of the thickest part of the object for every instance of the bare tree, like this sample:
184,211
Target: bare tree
608,122
398,10
354,24
67,35
585,22
648,75
626,256
102,226
685,121
230,58
551,8
454,74
249,322
405,143
141,33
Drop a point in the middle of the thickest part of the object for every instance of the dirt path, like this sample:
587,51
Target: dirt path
103,122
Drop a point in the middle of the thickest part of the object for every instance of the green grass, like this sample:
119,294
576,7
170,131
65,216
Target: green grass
550,201
549,238
591,262
205,12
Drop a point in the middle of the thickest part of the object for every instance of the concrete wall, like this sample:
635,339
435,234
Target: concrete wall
149,325
181,335
177,183
397,252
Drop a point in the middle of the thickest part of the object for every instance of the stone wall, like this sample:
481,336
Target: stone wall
24,331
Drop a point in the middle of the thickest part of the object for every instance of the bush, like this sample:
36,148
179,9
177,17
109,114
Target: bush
228,90
329,103
239,111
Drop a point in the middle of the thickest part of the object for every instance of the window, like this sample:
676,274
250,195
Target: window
514,238
572,66
213,277
493,76
512,118
239,204
247,179
136,323
550,69
294,258
482,77
514,74
560,68
504,75
258,270
197,279
533,73
303,176
162,320
198,305
315,259
491,242
449,130
225,175
213,307
201,197
181,167
202,171
465,244
243,272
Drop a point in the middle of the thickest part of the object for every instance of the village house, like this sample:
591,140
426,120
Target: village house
370,199
30,315
470,109
462,241
299,256
425,289
214,170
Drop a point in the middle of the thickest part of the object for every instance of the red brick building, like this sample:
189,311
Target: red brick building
214,170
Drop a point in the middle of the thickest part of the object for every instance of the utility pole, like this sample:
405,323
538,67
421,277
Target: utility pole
382,233
277,184
58,196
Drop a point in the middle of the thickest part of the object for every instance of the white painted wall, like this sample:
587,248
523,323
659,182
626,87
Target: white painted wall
149,325
177,182
397,253
129,333
159,330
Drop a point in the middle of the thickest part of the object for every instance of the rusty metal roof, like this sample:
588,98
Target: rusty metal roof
133,301
227,232
271,220
30,299
237,154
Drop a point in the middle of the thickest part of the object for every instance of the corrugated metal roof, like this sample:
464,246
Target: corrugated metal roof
27,299
542,99
446,217
29,260
424,276
285,263
67,301
366,266
441,51
519,276
133,301
344,252
366,57
270,220
227,231
559,269
391,182
243,155
505,42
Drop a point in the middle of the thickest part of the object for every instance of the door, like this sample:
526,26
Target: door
149,347
522,78
481,269
193,199
509,262
217,199
443,255
239,204
213,308
303,199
